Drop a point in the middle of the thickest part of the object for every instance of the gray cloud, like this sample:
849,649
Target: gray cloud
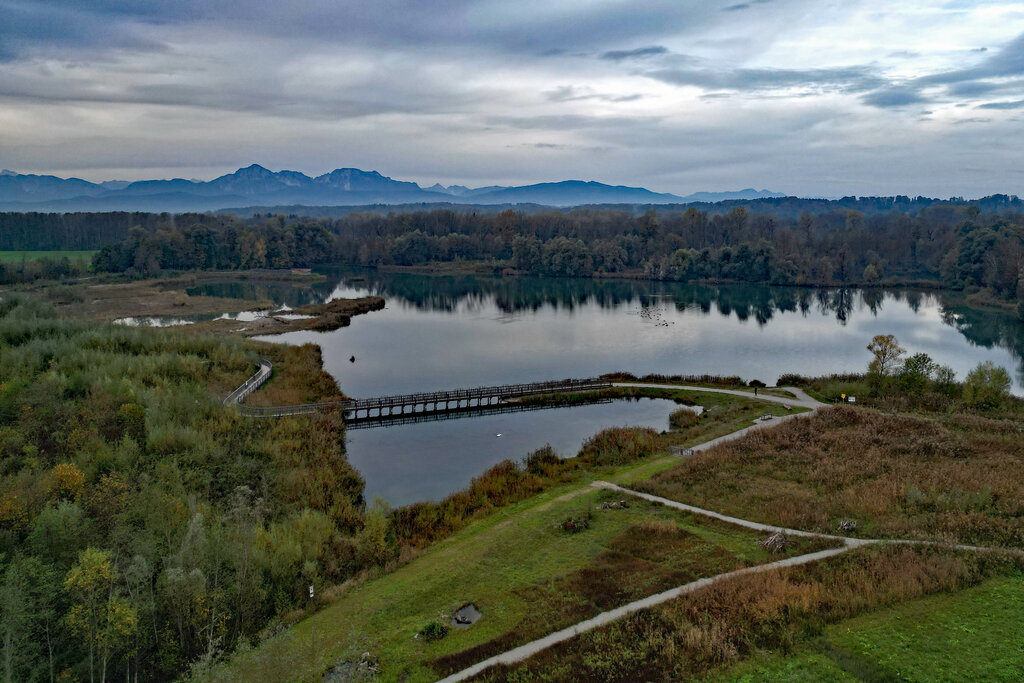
568,93
59,25
744,5
637,53
1017,104
894,97
844,79
996,73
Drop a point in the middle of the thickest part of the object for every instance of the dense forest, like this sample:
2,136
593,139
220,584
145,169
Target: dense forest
92,230
143,525
958,247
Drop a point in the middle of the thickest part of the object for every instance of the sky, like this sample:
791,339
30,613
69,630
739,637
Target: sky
807,97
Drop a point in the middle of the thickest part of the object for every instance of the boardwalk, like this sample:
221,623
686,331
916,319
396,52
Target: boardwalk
423,403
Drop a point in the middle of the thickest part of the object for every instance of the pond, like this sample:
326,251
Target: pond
407,463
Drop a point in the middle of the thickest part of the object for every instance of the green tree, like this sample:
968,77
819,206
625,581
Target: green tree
916,373
15,617
887,353
944,379
987,385
101,619
375,545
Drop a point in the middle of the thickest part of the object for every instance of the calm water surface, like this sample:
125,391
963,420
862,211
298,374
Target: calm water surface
450,332
427,461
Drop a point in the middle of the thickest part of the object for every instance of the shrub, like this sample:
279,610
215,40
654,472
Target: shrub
987,386
682,418
619,446
542,461
434,631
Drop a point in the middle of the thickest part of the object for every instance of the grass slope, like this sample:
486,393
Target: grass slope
527,576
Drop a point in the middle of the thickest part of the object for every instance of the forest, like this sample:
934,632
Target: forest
957,247
143,525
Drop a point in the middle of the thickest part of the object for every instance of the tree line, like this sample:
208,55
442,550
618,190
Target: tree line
959,247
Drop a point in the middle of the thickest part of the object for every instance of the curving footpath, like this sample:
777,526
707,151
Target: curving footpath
526,651
802,399
523,652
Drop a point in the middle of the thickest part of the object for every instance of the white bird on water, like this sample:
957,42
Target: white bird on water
498,435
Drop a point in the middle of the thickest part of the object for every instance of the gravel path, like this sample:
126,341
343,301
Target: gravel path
803,400
525,651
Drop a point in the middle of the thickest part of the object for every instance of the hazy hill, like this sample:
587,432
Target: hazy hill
256,185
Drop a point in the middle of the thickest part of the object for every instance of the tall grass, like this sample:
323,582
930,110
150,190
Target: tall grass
737,618
956,478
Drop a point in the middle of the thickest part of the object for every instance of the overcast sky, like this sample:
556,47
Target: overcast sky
808,97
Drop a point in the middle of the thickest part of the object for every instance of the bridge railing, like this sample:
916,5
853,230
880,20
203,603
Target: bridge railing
505,391
252,384
502,391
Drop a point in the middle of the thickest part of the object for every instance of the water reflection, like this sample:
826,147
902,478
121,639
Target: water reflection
704,328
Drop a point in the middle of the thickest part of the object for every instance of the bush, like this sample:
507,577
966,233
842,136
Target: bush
619,446
987,386
434,631
682,418
542,461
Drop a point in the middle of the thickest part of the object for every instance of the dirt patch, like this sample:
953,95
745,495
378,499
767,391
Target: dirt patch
615,578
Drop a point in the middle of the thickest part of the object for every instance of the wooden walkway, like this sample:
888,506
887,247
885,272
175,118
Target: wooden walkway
424,403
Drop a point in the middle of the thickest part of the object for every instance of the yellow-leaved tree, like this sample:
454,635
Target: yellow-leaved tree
99,617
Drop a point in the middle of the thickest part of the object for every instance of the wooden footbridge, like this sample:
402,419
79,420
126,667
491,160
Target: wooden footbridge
425,403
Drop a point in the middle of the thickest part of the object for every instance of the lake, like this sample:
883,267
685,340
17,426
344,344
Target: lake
406,463
446,332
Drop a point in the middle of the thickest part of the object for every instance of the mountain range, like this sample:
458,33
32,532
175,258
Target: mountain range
342,187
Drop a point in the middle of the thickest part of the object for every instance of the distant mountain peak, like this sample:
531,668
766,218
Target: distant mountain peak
343,186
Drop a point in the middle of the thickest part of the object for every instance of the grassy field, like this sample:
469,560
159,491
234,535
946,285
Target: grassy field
526,575
956,477
18,256
748,618
975,634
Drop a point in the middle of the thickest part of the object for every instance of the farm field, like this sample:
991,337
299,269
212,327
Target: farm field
18,256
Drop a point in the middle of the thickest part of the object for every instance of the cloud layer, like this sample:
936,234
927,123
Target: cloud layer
802,96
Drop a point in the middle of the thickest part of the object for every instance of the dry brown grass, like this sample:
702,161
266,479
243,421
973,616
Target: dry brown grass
298,377
953,478
738,617
646,558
